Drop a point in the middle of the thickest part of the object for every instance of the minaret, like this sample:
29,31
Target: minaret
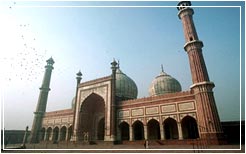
207,114
42,102
75,136
113,102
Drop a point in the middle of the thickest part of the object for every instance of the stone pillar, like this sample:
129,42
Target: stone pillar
130,133
162,132
145,132
180,131
59,135
51,136
67,133
42,102
76,115
45,135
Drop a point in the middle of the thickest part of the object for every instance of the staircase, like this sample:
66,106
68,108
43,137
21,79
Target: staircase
164,142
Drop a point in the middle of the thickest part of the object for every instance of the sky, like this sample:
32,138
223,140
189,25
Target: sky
89,38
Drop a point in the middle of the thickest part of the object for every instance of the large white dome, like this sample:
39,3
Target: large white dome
125,86
163,84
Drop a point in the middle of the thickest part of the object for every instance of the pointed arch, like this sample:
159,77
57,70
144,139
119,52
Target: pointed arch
55,134
138,130
170,129
153,128
48,134
88,95
42,134
92,110
189,128
124,130
63,132
101,129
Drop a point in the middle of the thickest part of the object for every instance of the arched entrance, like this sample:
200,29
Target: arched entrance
63,132
153,129
48,134
100,129
124,131
70,130
91,114
138,130
189,128
55,134
42,133
171,129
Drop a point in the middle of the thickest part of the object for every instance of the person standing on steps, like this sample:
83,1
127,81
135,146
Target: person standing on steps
146,144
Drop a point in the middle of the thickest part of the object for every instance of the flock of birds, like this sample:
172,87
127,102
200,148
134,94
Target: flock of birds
28,61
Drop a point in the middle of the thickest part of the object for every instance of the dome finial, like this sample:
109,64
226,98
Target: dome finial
118,63
162,70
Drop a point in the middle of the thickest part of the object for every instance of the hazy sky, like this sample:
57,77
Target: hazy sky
88,38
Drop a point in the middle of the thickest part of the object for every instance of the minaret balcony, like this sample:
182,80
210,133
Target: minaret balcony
44,89
194,44
40,113
185,11
205,86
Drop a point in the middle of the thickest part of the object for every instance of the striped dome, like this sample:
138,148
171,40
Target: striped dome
163,84
125,86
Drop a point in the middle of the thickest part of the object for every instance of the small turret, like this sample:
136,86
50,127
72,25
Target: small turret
183,4
50,61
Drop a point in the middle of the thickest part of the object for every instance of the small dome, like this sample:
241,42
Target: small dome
125,86
163,84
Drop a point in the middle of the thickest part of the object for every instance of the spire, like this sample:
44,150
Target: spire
118,64
162,70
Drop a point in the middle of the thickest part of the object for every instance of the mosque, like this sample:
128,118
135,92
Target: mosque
107,109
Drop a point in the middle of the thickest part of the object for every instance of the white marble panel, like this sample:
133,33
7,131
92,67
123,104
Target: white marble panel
57,121
168,108
186,106
152,110
50,121
137,112
123,113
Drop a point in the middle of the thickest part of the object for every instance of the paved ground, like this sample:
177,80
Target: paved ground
56,148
